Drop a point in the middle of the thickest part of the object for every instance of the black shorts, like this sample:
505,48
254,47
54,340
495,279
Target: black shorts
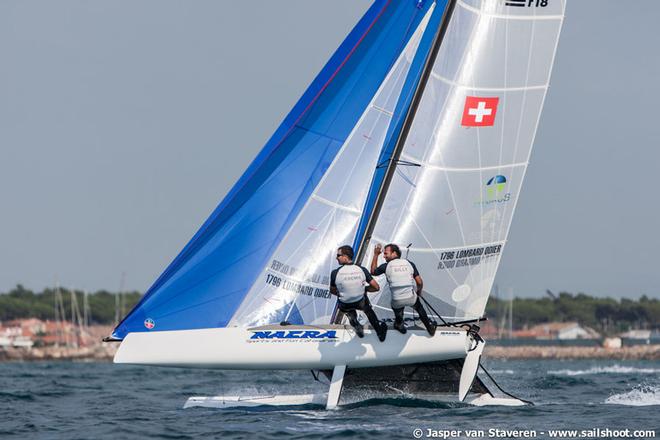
357,305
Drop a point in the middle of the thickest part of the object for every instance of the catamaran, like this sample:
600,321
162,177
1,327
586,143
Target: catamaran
418,131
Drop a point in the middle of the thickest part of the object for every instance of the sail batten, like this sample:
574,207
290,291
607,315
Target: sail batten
488,89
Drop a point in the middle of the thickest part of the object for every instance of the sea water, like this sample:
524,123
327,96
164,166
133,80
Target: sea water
65,400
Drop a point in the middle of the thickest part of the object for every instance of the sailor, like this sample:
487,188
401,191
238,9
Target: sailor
405,284
350,283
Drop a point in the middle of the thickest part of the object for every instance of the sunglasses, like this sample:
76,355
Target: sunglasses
340,255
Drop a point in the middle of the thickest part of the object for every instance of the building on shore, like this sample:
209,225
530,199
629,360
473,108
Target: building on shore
557,331
26,333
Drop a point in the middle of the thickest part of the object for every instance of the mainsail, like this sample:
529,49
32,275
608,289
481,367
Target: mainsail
459,173
218,278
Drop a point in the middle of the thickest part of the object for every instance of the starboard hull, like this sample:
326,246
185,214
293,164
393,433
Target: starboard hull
289,347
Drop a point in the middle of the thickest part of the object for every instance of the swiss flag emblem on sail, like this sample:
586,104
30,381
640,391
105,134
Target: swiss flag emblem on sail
479,111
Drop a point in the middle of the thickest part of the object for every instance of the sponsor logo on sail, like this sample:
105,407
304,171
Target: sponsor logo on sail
294,335
479,111
527,3
149,323
496,191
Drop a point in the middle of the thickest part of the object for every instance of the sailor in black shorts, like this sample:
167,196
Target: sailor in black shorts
350,283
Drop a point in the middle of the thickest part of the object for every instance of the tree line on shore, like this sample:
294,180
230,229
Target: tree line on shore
607,315
20,303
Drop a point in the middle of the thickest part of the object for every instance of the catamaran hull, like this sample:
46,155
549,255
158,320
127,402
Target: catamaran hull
223,402
289,347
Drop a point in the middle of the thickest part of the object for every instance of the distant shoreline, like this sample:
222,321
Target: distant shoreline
106,351
635,352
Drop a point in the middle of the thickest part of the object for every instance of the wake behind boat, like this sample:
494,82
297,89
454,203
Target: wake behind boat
417,132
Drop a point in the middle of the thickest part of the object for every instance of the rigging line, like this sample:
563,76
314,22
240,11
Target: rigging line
500,388
507,16
405,178
403,134
446,324
404,163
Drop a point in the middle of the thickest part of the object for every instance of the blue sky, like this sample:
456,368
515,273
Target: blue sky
122,124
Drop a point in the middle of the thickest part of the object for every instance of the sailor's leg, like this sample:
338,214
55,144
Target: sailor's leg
352,318
398,319
379,327
428,324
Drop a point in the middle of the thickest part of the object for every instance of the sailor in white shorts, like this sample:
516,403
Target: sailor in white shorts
405,284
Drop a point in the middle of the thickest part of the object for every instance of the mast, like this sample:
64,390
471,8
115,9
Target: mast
403,134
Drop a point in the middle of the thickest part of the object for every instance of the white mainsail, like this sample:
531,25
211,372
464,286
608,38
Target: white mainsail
468,149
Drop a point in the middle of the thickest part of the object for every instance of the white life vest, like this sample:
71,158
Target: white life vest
350,282
399,273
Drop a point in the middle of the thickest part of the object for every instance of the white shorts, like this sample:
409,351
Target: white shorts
406,302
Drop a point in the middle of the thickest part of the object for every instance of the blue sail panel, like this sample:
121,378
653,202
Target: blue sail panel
207,281
404,103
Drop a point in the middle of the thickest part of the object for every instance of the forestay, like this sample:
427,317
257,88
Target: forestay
452,198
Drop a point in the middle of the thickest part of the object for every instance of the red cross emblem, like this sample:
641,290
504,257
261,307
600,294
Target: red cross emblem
479,112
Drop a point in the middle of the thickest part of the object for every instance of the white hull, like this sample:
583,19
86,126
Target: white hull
289,347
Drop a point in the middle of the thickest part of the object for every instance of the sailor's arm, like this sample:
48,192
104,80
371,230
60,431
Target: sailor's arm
333,283
418,278
420,284
370,284
373,286
374,260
